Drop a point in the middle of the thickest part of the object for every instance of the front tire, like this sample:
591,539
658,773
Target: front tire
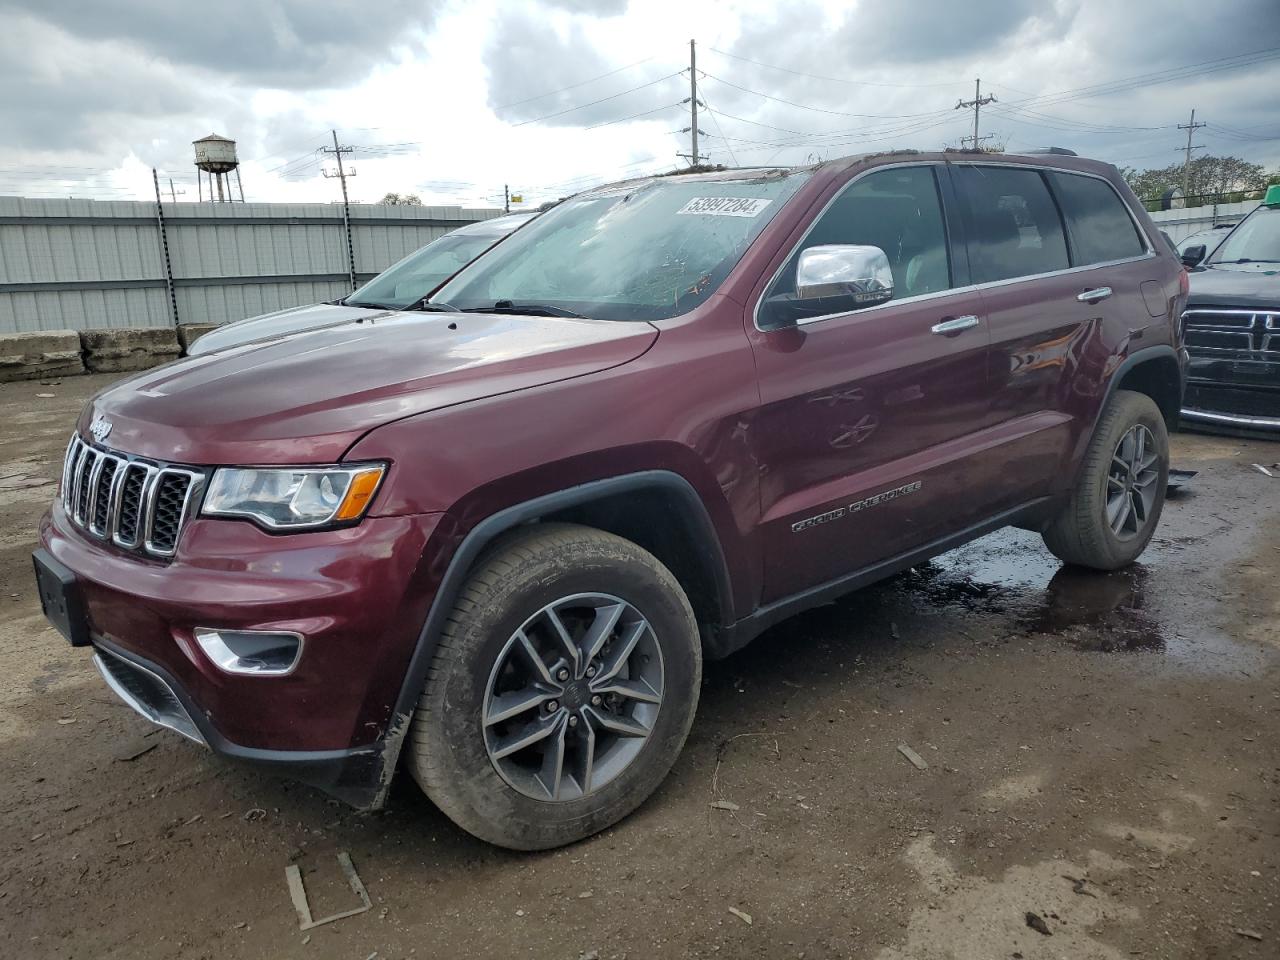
1116,503
562,689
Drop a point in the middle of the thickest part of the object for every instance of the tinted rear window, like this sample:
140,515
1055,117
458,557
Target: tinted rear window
1101,228
1014,227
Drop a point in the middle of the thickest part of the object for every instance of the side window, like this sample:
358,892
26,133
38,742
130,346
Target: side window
1014,227
1100,225
897,210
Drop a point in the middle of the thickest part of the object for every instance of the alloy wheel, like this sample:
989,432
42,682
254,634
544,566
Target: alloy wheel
1131,482
573,697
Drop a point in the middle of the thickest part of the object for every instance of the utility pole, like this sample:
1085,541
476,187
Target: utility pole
174,194
977,103
693,98
1191,128
342,175
693,156
506,198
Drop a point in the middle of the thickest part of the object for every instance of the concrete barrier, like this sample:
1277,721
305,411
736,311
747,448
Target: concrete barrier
115,351
189,333
35,356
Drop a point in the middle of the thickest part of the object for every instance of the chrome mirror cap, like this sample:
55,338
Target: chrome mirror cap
844,270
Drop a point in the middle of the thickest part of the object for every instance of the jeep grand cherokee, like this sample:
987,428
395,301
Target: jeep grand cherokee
495,540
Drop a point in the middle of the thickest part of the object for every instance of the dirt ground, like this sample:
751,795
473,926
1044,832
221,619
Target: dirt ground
1102,752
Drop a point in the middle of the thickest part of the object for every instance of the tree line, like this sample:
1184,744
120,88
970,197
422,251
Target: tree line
1212,178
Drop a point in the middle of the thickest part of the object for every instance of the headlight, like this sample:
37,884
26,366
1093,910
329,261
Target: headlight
293,499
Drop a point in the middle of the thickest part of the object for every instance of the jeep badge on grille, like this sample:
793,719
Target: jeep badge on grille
100,427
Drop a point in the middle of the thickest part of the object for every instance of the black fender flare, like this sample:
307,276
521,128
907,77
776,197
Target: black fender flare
691,507
1145,355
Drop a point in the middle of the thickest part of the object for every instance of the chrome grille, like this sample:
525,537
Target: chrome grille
1214,330
135,504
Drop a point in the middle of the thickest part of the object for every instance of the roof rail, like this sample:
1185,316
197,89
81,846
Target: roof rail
1056,151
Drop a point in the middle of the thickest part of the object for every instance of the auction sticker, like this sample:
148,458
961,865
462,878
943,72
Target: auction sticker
724,206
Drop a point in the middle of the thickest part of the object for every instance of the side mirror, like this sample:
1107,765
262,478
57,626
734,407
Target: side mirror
1192,256
846,271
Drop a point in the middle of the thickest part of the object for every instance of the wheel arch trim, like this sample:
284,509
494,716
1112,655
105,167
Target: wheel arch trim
484,533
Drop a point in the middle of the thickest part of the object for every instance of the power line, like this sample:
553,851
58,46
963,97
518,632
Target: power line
817,76
1137,81
805,106
636,116
716,121
572,86
583,106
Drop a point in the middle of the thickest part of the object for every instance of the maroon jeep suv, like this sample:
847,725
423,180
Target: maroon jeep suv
495,536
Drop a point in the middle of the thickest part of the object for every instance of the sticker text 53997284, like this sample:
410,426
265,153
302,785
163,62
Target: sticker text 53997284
724,206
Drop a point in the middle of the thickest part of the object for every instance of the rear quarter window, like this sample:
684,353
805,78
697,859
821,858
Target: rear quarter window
1014,227
1100,226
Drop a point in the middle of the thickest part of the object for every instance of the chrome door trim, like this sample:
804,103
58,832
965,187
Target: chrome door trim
1096,295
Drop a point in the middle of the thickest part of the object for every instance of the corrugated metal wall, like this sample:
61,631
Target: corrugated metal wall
78,264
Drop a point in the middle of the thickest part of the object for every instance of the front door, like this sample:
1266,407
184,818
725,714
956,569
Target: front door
864,436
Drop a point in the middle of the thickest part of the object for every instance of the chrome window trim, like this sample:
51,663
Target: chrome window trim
1150,253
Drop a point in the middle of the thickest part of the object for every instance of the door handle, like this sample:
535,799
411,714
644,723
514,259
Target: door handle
949,328
1096,295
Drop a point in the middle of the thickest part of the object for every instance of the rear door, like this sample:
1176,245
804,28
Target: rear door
860,438
1054,289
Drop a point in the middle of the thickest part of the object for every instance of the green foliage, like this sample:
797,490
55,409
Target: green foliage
401,200
1227,178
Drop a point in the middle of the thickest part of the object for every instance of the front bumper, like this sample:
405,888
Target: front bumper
359,775
359,596
1218,401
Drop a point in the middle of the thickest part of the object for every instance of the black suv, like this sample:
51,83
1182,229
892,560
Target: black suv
1232,328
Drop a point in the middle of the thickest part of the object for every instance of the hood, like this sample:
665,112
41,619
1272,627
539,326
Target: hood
1248,285
306,398
278,324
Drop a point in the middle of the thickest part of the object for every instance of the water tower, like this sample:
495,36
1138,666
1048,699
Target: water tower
216,156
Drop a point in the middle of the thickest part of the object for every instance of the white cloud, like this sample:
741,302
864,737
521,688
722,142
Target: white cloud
105,99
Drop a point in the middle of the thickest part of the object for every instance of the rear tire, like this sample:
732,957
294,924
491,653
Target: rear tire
617,710
1115,506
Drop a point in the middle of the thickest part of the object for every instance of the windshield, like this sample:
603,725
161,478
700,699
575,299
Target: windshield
1256,240
641,252
405,283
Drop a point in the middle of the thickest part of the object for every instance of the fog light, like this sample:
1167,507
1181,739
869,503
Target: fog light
251,652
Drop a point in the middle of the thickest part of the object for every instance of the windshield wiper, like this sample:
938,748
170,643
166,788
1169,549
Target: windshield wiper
438,306
1252,260
368,305
530,309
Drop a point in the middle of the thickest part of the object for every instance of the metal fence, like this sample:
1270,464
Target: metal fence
82,264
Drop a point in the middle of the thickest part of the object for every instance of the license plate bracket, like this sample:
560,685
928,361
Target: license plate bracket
61,599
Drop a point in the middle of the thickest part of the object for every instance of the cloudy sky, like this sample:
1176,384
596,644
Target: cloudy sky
452,99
